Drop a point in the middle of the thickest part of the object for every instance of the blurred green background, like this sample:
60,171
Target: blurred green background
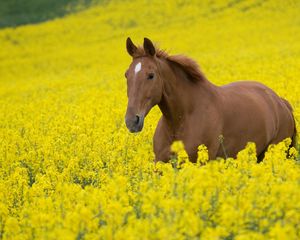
19,12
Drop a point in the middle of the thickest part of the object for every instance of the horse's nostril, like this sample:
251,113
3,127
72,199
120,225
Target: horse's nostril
137,119
134,123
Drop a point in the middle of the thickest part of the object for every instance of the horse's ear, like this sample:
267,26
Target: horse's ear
149,47
131,48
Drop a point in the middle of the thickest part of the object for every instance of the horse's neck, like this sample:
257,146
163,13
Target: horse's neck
180,96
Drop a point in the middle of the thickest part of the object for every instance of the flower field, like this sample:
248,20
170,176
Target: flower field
69,168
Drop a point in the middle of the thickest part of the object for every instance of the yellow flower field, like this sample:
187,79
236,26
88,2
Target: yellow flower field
69,168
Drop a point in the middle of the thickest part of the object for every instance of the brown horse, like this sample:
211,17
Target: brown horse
196,111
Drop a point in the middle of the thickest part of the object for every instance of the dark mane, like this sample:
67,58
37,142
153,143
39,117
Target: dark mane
188,65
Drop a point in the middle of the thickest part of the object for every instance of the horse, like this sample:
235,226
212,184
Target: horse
195,111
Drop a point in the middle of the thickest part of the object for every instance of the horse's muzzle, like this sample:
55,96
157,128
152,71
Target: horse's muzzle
135,123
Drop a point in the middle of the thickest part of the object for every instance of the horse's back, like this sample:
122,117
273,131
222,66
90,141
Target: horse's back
254,112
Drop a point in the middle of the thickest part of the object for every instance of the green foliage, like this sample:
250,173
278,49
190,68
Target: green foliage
18,12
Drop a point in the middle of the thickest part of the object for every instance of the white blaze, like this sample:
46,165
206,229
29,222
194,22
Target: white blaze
138,68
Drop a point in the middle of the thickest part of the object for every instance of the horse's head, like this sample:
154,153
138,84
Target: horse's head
144,84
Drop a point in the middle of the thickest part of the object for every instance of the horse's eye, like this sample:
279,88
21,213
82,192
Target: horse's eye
150,76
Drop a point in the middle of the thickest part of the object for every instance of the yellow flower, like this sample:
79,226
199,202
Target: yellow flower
181,158
202,155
